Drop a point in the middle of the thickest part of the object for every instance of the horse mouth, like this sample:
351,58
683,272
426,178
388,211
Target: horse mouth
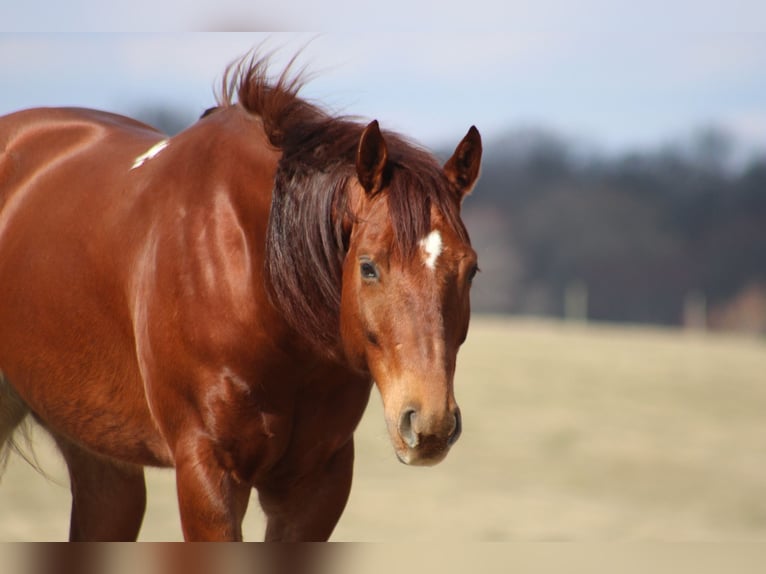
429,451
413,458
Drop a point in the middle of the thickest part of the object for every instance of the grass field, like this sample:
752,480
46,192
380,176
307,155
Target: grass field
588,433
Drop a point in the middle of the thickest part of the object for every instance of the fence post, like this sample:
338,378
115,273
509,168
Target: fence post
695,311
576,302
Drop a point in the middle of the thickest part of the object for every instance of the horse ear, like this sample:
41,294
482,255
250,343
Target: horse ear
371,158
462,168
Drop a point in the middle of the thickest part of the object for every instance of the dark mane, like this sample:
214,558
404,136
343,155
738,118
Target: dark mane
306,243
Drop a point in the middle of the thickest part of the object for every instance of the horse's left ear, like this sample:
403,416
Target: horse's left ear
462,168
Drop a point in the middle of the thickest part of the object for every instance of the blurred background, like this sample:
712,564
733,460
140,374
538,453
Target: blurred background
614,382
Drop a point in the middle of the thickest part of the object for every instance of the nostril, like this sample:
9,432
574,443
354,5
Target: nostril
406,427
458,429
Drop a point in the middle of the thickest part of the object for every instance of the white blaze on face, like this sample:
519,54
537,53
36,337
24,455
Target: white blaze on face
150,153
432,248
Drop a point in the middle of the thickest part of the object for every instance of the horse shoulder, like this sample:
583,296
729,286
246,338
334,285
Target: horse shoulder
201,316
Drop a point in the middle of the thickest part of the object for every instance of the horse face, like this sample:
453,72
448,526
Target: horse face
403,319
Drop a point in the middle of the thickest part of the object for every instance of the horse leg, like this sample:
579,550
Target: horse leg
308,510
108,497
211,501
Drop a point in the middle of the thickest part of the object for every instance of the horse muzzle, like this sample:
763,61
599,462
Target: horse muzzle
423,440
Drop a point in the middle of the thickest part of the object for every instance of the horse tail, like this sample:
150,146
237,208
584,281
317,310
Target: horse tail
13,411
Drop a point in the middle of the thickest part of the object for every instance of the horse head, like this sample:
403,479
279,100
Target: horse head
405,303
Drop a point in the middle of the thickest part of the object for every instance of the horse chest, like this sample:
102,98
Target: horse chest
252,447
295,438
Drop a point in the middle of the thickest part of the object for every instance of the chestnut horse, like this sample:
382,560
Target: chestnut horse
222,301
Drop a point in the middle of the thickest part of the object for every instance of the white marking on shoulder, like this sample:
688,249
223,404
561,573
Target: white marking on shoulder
432,246
150,153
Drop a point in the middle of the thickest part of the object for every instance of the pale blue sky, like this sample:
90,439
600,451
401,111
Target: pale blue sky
620,74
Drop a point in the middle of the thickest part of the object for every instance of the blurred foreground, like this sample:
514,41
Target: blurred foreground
571,432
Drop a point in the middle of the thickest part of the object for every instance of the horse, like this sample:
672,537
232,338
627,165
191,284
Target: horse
222,302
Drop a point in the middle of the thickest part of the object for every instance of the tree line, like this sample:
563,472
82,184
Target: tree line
647,235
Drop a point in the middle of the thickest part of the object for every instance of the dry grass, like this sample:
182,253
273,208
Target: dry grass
570,432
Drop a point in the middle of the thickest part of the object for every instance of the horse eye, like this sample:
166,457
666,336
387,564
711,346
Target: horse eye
368,270
472,273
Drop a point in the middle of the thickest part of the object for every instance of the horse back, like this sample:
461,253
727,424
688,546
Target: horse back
40,139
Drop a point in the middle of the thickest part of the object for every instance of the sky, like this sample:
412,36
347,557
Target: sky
619,74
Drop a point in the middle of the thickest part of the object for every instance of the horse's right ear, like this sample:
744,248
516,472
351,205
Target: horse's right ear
371,158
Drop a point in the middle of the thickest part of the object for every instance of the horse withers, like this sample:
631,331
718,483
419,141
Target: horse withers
222,301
